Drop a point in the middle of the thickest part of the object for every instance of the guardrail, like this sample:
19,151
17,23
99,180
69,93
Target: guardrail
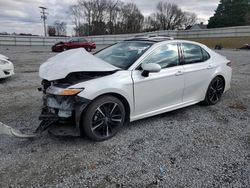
243,31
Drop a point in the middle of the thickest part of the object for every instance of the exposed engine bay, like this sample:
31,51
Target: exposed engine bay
74,78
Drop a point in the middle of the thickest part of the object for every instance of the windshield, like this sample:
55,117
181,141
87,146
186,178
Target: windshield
124,54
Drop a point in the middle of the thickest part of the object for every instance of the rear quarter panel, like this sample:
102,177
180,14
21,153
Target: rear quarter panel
222,68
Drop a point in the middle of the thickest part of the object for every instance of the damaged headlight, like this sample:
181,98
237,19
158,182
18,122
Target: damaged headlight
63,91
69,92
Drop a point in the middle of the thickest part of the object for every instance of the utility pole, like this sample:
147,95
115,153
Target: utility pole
44,18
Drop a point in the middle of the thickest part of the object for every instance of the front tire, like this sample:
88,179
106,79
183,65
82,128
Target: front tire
88,49
103,118
64,49
214,91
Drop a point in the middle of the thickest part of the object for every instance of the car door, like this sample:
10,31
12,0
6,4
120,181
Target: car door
83,43
162,90
198,68
75,43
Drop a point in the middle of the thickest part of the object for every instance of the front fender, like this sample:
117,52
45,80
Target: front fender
118,83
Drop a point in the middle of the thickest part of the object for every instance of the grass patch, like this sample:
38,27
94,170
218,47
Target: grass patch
227,42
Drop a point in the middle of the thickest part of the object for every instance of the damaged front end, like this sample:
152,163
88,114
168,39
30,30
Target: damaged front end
59,74
61,103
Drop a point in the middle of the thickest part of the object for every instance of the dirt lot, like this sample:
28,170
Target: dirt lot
192,147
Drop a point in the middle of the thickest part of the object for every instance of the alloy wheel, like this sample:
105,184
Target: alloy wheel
106,119
216,90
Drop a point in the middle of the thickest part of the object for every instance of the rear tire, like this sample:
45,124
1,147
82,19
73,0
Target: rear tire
214,91
103,118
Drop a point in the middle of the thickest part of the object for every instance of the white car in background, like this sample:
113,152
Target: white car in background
6,67
130,80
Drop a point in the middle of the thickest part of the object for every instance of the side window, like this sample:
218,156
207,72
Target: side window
74,40
166,56
194,53
82,40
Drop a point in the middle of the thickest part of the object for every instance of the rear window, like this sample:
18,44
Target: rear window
194,53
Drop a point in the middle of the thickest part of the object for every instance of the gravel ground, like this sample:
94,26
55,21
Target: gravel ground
196,146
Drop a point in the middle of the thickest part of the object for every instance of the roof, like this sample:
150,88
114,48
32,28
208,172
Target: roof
152,38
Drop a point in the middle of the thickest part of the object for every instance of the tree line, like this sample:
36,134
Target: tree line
99,17
231,13
57,29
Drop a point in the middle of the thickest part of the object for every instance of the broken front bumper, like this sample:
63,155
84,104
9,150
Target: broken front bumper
57,108
62,106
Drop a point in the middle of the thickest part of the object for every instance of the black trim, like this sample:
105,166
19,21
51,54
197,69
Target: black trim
181,56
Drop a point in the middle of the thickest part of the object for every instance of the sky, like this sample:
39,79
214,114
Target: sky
23,16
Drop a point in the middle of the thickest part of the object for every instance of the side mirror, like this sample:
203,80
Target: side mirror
150,68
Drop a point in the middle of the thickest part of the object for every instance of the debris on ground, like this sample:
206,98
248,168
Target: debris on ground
245,47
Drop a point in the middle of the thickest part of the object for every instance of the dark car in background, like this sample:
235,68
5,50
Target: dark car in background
78,42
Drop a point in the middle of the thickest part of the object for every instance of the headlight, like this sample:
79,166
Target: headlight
62,91
69,92
3,62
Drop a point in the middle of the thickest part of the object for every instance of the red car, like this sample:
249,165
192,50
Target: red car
78,42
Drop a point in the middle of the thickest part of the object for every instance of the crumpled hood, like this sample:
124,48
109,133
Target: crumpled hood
77,60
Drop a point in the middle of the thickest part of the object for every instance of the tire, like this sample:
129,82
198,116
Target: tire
64,49
214,91
103,118
88,49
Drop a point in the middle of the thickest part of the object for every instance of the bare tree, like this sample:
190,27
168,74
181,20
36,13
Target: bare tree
131,18
61,28
97,17
94,12
75,12
51,30
86,7
190,19
151,23
170,16
113,8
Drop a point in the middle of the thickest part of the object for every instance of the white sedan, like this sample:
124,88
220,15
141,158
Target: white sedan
130,80
6,67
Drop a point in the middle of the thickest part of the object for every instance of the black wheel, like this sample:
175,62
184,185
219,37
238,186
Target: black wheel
103,118
214,91
88,49
64,49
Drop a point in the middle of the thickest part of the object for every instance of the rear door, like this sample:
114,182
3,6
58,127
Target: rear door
158,91
198,68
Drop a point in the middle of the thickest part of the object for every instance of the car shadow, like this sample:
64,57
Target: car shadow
68,132
5,80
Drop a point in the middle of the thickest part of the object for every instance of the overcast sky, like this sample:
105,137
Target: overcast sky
24,15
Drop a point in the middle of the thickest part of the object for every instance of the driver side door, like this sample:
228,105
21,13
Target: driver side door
162,91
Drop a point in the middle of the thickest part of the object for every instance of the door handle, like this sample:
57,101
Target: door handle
179,73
